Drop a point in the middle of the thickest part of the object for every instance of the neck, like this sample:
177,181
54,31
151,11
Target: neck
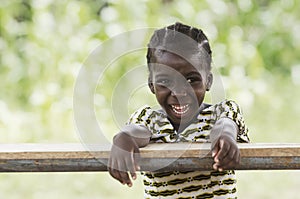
181,127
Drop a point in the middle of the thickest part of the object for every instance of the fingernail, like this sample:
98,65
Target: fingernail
129,185
133,177
220,169
213,154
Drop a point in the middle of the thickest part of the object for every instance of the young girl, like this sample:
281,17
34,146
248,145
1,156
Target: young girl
179,63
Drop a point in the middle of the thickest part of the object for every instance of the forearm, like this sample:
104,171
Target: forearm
224,127
138,133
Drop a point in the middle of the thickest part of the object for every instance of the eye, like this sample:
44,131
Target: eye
163,82
192,80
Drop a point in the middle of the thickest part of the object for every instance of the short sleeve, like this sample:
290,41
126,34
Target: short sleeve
141,116
231,110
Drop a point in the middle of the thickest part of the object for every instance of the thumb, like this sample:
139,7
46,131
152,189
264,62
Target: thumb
137,158
215,149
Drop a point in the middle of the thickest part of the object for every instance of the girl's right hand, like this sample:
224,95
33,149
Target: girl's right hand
124,158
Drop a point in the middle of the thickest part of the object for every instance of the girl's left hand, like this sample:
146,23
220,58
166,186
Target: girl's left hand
226,153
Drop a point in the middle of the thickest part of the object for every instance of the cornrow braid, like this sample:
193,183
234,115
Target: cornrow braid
171,38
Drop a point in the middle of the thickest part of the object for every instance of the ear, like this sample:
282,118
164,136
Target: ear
209,81
150,85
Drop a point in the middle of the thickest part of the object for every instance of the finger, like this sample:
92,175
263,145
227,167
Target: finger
234,156
215,149
137,157
123,173
235,160
214,152
238,160
109,165
215,166
231,160
230,156
114,172
125,178
224,148
228,161
130,166
110,169
117,175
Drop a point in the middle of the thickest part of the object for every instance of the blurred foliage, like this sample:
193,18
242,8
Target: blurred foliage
43,43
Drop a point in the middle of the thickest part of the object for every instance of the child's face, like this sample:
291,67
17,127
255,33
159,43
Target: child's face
179,87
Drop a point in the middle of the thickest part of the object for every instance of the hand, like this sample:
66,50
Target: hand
225,152
124,157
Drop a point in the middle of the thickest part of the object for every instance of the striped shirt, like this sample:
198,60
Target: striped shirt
190,184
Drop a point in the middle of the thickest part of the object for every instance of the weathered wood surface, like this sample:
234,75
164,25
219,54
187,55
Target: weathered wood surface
163,157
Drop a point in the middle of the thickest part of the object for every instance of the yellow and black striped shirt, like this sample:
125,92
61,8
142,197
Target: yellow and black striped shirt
190,184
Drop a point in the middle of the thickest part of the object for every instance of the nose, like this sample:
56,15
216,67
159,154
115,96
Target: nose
179,88
179,92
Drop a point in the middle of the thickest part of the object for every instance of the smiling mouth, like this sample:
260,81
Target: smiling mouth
180,109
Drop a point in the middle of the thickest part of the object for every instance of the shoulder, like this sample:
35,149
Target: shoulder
142,111
226,105
225,108
227,102
145,108
230,109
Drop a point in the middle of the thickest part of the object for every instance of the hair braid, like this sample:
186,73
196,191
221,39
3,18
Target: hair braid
169,38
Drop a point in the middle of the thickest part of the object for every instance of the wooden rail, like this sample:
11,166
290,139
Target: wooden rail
163,157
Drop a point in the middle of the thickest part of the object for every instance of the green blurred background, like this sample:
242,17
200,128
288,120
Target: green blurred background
43,43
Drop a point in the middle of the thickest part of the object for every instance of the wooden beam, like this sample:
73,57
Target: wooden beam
162,157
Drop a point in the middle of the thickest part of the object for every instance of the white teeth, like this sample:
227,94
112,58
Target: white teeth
178,109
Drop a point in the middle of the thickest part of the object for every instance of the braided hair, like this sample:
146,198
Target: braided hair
182,40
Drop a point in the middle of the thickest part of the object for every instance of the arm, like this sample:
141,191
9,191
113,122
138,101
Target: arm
125,152
224,146
139,133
